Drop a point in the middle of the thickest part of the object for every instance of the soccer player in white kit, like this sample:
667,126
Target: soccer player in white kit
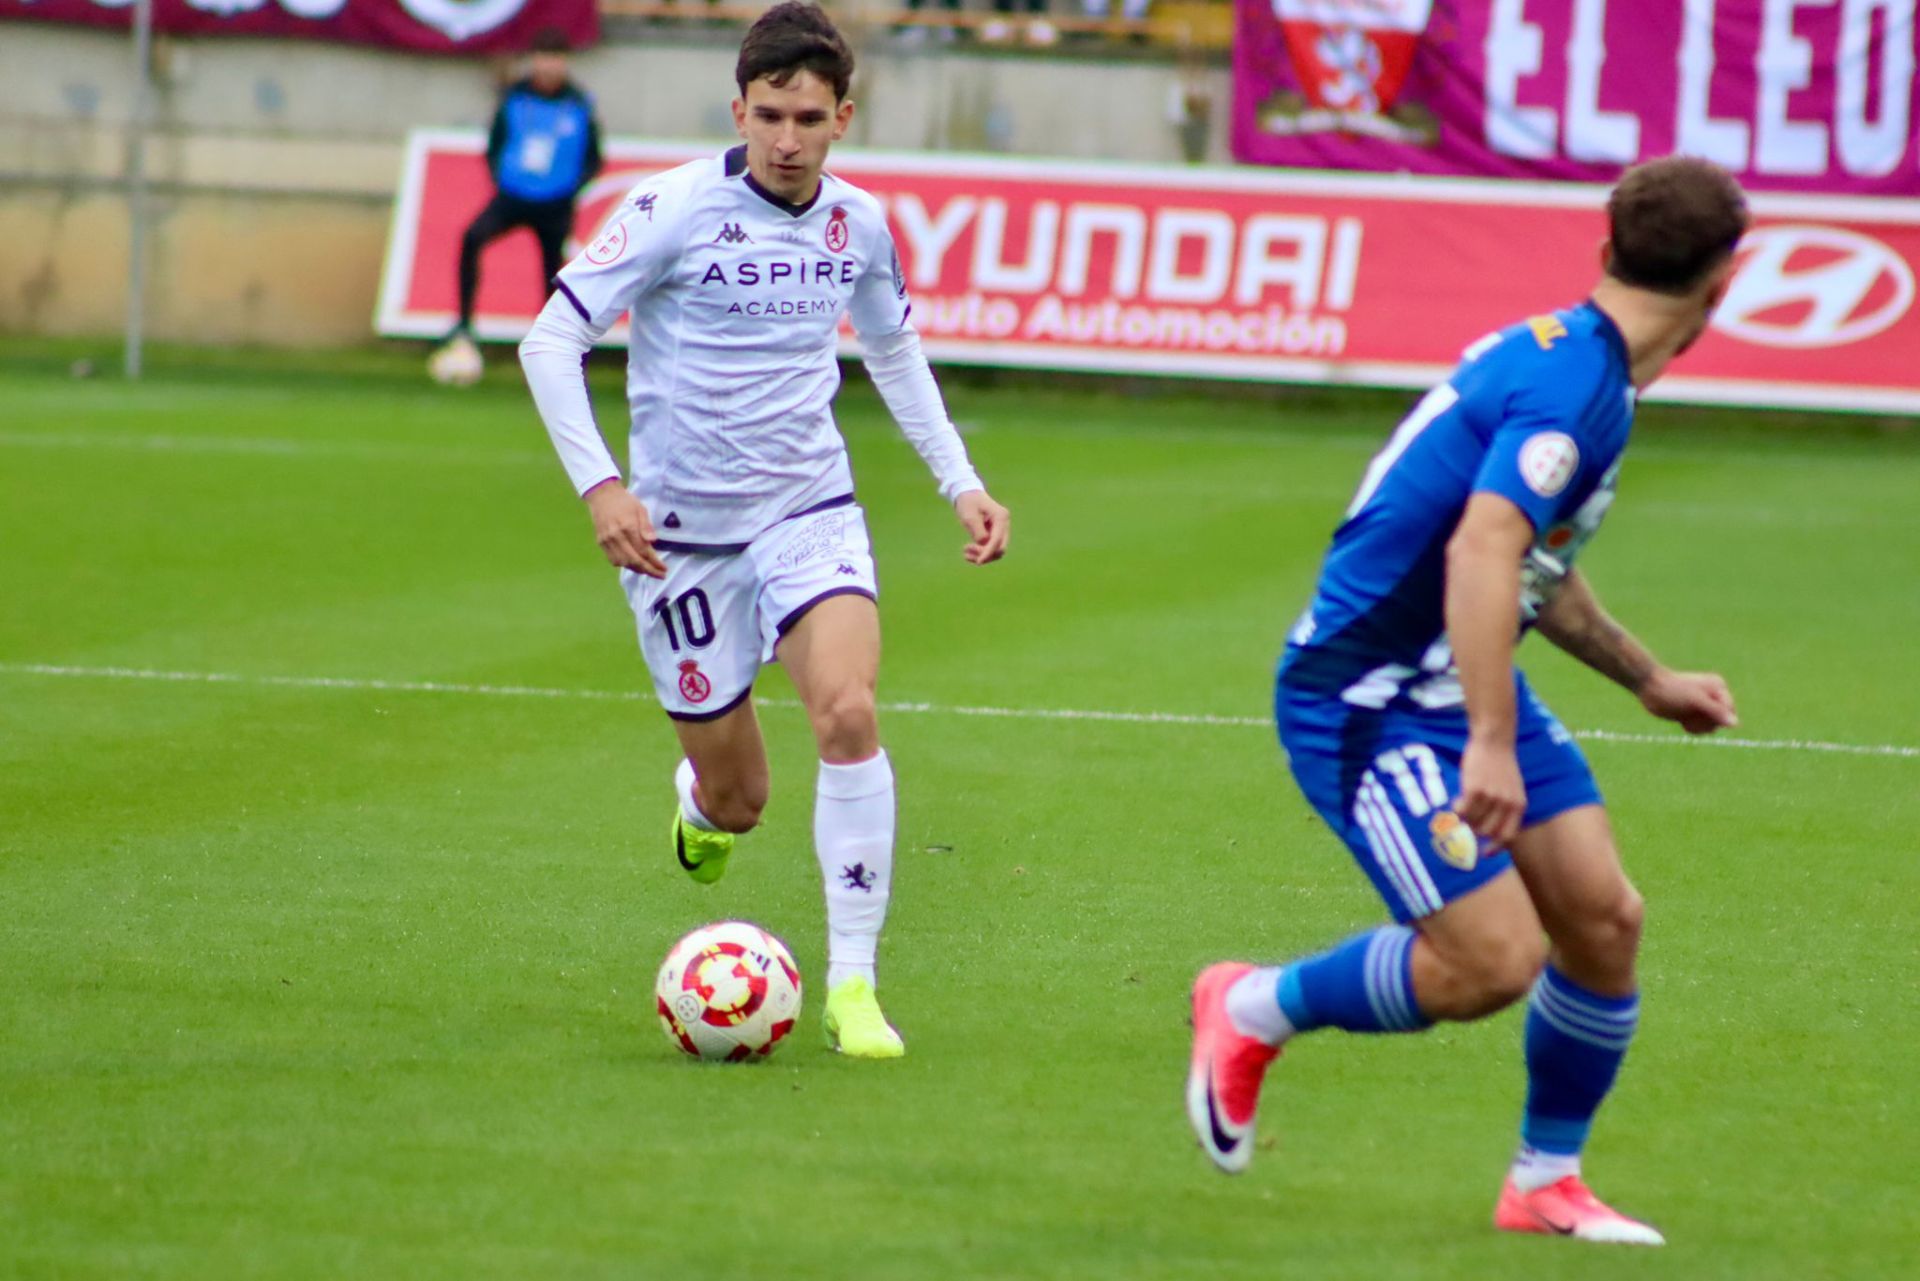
737,535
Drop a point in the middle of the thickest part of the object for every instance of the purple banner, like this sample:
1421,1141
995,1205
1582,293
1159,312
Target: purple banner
1791,95
428,26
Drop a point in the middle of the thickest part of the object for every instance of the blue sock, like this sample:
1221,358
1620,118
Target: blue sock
1575,1041
1363,985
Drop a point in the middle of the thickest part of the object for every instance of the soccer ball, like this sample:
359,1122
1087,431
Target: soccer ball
728,992
456,363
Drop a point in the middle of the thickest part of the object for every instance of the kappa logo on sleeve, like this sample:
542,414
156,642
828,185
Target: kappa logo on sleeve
1548,461
609,245
644,202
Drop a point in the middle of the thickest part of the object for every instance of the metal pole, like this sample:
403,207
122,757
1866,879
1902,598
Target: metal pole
137,182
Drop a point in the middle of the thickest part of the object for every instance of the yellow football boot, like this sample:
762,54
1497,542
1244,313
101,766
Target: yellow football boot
702,854
855,1025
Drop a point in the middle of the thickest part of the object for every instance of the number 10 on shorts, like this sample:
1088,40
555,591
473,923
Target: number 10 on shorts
696,619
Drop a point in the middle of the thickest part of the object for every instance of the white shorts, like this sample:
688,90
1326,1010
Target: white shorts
713,622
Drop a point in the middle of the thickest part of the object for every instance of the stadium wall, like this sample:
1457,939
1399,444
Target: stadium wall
274,163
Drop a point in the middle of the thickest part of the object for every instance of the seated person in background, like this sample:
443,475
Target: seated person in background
1040,32
1131,10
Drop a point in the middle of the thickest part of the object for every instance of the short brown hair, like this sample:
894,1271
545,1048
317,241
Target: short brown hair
790,38
550,40
1672,221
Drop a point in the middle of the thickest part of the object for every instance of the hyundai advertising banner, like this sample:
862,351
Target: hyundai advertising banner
1252,274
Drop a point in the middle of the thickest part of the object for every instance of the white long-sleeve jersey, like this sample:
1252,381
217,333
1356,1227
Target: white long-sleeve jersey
735,298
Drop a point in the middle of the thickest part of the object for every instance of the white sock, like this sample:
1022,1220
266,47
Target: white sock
853,836
1533,1168
1253,1006
689,811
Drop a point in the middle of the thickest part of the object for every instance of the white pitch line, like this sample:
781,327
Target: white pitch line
273,447
377,685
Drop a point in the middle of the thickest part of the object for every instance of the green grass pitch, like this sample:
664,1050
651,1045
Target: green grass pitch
313,981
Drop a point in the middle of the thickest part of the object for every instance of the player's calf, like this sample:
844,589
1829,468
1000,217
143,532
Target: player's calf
717,803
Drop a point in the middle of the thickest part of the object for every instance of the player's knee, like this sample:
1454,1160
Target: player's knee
847,724
1613,934
1503,970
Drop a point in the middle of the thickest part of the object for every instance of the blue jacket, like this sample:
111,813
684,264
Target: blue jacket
542,147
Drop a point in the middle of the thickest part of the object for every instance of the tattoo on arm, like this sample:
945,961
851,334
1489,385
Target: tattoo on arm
1576,623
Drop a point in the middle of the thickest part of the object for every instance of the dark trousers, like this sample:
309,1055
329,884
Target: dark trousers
550,220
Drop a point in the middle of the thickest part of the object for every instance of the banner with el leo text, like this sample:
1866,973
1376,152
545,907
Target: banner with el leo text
426,26
1251,274
1791,95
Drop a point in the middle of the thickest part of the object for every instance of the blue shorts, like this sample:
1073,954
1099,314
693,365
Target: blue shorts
1385,781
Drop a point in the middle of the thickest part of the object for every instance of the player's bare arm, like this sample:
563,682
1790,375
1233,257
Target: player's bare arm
1575,622
1483,624
623,528
986,525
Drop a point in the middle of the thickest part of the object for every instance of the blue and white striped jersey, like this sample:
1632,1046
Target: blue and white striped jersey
1539,414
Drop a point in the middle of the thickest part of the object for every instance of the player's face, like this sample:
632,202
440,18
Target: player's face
548,71
788,129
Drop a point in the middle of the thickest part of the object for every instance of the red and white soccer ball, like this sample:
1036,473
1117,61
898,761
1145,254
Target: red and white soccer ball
728,992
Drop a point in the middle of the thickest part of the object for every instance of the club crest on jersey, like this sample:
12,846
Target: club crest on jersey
731,233
694,686
608,247
837,230
1453,841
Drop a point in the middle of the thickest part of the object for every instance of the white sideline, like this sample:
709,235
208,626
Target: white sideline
934,709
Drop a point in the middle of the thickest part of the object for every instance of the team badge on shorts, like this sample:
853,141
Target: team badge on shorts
1453,841
694,687
837,230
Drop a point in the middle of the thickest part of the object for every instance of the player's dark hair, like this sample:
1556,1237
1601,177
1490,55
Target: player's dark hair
1672,221
550,40
790,38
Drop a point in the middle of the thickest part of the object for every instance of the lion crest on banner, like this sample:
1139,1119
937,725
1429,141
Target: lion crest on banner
1350,61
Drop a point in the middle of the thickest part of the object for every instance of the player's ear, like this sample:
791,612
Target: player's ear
740,116
1606,258
1717,282
842,117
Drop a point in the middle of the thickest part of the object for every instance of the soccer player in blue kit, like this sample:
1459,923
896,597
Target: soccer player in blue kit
1411,733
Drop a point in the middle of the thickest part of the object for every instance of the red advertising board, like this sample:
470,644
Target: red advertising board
1256,274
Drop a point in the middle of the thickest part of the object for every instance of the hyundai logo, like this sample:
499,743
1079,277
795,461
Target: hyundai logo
1800,286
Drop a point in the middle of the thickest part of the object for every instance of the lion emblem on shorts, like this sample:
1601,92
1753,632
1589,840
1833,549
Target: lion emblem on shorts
694,686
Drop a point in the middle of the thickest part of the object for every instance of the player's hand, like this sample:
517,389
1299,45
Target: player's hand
986,523
623,529
1699,701
1492,799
